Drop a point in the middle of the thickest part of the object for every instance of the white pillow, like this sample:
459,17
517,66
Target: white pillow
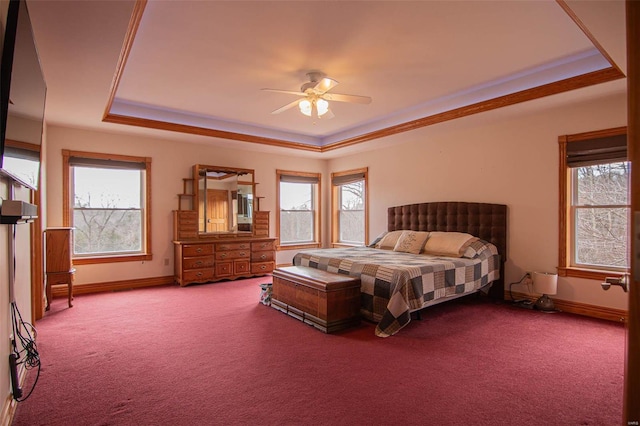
411,242
449,244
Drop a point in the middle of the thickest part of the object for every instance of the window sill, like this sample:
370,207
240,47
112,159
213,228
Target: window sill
111,259
345,245
297,246
590,274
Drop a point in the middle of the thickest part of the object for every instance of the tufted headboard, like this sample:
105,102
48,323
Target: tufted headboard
485,221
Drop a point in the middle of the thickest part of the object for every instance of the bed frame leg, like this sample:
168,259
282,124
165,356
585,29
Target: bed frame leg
417,315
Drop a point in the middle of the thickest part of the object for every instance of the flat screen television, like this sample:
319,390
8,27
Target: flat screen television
22,99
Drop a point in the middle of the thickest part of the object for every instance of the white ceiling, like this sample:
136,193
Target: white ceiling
204,63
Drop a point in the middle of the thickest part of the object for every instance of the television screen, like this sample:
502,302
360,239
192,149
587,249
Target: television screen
23,99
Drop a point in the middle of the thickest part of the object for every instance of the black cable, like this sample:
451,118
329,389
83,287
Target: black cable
28,355
515,283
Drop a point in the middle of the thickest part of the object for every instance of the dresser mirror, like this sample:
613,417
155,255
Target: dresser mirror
224,197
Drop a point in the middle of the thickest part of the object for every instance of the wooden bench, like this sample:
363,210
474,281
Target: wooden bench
327,301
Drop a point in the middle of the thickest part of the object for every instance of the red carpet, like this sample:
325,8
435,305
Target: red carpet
211,354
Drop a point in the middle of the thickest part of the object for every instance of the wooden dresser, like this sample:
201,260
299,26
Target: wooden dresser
201,261
208,258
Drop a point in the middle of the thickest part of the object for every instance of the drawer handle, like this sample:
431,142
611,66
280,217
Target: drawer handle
223,255
242,246
263,267
199,274
242,253
198,263
264,256
263,245
199,249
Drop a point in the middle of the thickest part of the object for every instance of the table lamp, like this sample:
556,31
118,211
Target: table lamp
545,283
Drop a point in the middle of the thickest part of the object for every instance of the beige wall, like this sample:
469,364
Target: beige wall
499,157
487,158
171,162
22,287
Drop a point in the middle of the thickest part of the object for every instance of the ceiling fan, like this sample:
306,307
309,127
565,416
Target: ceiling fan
315,96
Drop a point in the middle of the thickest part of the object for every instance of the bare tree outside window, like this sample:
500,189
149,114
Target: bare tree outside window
296,212
107,211
601,215
351,213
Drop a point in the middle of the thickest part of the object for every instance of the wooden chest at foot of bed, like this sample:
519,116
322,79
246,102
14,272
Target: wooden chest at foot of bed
327,301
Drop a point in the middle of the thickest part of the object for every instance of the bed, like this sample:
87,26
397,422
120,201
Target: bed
397,282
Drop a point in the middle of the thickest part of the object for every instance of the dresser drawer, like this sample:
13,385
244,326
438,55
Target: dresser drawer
188,235
233,246
261,221
262,267
241,267
224,269
197,262
185,224
235,254
262,256
191,250
261,232
196,275
190,220
236,267
262,246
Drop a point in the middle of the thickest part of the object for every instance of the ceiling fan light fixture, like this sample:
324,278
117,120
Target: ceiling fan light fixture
315,96
306,106
323,107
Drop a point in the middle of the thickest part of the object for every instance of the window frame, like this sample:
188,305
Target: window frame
67,206
335,206
317,202
566,211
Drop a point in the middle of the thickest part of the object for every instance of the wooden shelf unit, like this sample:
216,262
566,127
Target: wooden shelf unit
58,261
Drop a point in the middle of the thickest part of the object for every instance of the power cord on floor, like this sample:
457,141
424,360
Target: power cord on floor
516,283
23,334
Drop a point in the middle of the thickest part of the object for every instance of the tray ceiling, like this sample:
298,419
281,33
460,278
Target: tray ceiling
199,66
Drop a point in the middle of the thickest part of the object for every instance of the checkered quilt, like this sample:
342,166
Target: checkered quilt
394,284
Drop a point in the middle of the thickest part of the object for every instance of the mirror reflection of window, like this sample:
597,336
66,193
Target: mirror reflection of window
23,163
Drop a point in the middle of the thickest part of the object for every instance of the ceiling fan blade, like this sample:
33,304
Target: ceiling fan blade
286,107
324,85
339,97
289,92
327,115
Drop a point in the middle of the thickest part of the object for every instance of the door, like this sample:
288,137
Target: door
217,210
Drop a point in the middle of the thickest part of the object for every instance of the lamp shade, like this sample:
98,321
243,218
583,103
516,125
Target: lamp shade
305,107
545,282
323,107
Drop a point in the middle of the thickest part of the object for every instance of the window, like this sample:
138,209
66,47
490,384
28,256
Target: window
298,221
106,200
22,159
595,221
349,207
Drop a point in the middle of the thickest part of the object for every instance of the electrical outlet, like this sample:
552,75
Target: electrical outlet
166,262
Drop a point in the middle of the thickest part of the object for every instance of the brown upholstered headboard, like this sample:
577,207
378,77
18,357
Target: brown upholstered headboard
485,221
